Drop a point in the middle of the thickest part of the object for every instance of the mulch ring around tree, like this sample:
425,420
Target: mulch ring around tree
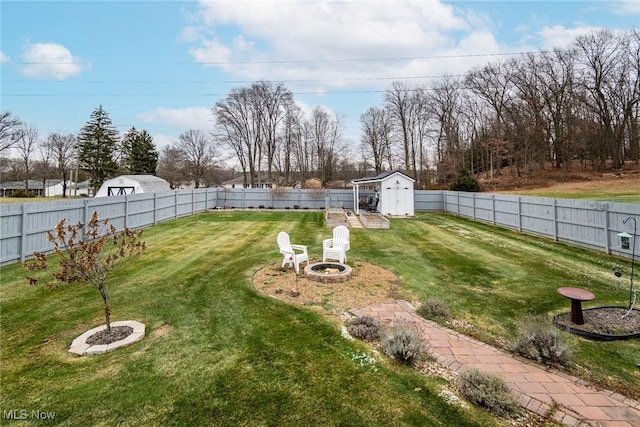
103,337
603,323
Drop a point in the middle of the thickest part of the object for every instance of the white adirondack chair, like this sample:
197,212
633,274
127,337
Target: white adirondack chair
337,247
292,254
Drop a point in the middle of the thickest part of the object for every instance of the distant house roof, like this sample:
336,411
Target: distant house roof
380,177
239,180
84,184
34,184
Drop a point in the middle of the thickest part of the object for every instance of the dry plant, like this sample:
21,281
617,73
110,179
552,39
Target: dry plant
89,253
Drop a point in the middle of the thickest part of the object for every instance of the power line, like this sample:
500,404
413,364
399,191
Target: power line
300,61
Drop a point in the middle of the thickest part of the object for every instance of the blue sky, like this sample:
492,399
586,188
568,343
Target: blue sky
162,65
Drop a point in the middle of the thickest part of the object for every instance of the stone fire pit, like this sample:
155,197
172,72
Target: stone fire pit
327,272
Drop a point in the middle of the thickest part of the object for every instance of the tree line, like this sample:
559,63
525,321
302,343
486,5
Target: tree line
558,107
574,106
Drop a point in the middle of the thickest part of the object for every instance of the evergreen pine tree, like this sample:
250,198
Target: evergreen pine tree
97,144
465,182
139,152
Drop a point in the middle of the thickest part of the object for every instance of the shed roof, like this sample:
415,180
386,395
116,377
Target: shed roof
379,178
149,183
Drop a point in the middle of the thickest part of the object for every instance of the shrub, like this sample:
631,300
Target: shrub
434,309
367,328
538,339
22,193
488,391
465,182
402,343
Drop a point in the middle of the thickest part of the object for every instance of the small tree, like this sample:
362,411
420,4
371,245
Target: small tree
90,253
465,182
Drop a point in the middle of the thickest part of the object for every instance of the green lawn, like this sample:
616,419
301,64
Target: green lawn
219,353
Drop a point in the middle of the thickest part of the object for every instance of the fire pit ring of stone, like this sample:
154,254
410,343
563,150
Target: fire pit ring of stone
328,272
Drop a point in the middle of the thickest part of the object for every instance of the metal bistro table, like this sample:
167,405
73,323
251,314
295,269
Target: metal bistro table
576,295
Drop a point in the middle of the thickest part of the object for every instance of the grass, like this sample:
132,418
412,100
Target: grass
219,353
622,191
216,351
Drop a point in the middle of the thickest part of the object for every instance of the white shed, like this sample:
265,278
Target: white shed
394,189
132,184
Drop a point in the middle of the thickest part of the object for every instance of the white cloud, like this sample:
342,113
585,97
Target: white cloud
189,34
183,118
51,61
625,7
327,44
561,37
162,141
4,58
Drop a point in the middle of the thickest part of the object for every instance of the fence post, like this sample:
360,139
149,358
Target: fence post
175,202
473,205
23,232
607,238
555,220
126,210
155,208
493,209
519,214
86,217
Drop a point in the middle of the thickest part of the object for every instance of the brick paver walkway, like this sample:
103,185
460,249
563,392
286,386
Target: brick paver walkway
536,387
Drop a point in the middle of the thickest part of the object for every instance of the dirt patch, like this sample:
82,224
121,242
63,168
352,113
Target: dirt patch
369,285
552,179
162,331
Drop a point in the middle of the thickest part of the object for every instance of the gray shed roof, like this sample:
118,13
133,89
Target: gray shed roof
149,183
380,177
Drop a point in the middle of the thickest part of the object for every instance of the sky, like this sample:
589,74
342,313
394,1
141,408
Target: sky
162,65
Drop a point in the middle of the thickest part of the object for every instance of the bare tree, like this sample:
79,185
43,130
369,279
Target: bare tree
494,84
633,53
289,138
326,133
198,151
272,102
445,105
171,166
10,130
377,133
610,83
26,145
399,101
63,153
238,126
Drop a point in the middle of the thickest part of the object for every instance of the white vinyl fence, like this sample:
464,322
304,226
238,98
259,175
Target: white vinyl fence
595,225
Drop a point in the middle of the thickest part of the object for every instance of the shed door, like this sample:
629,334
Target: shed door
399,198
